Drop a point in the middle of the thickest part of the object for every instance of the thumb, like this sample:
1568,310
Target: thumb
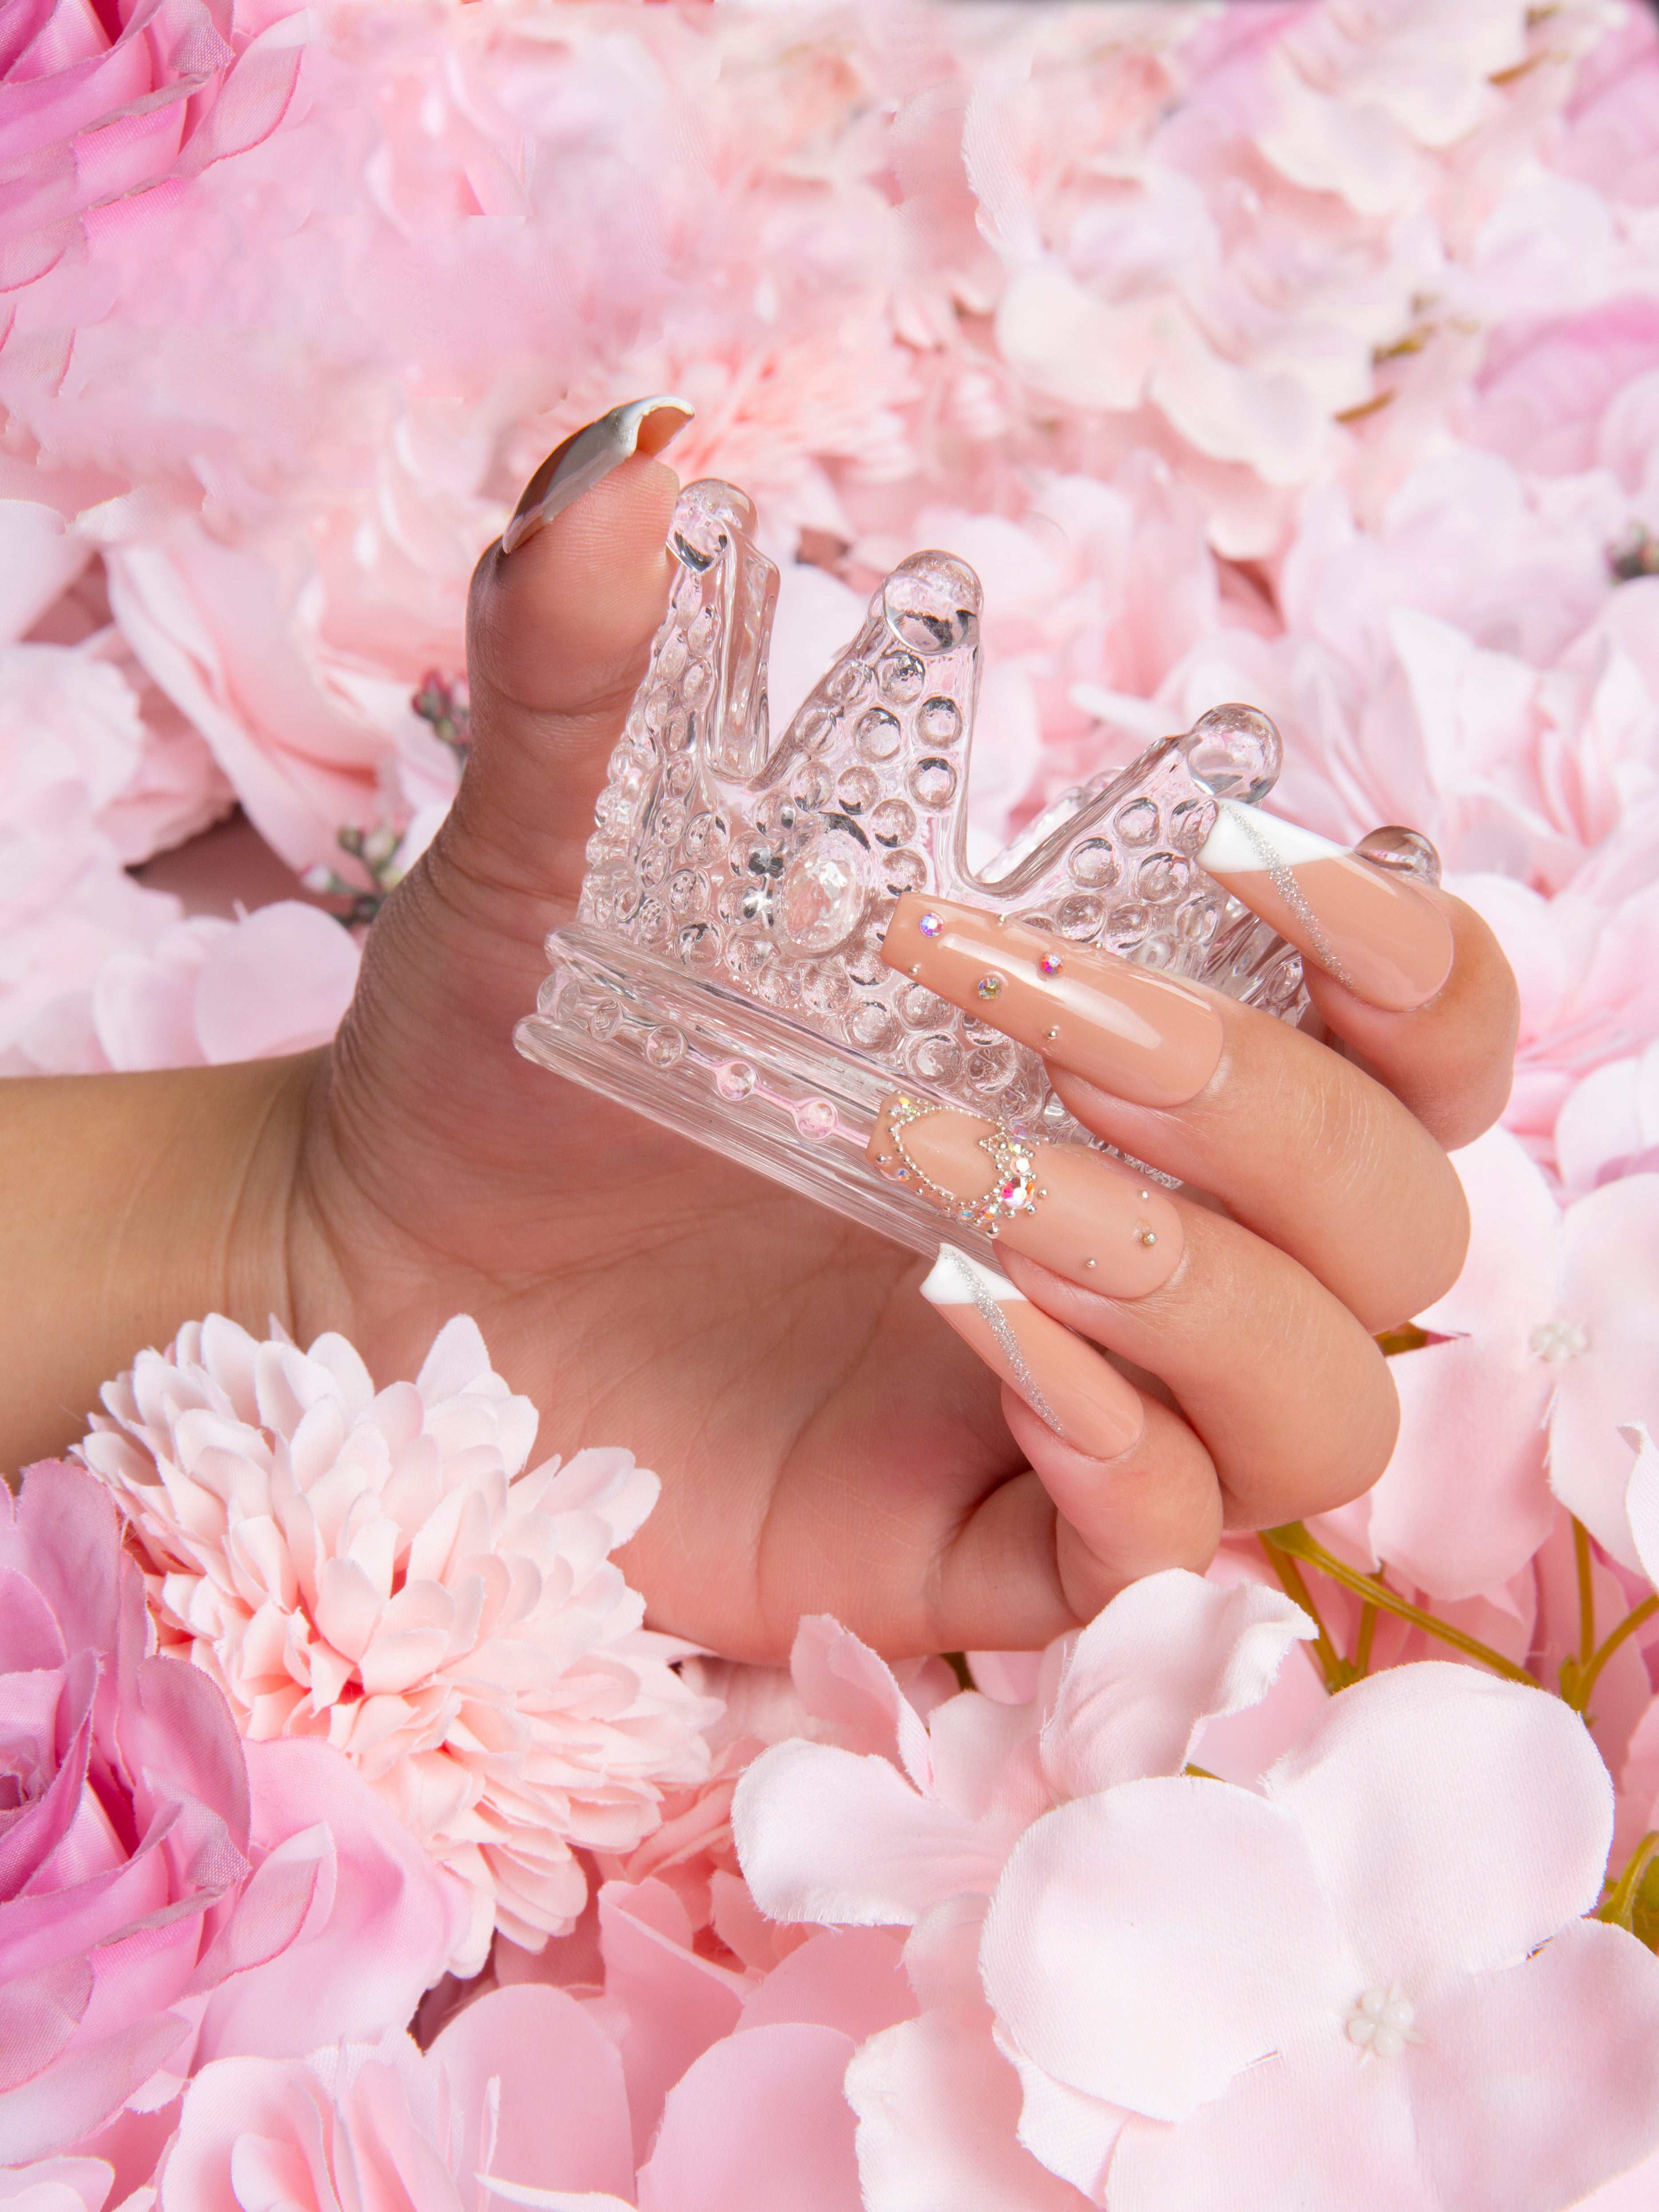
562,611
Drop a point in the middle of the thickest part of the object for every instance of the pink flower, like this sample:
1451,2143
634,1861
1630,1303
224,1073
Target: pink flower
1550,1335
276,981
124,1830
524,2095
899,1814
379,1572
1372,1979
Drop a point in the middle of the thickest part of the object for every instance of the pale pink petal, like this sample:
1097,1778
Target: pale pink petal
1642,1498
853,1979
1456,1821
1463,1502
938,2107
1510,1274
1321,2126
843,1682
1145,1945
1544,2079
759,2122
1168,1653
279,982
395,1921
825,1835
557,2117
663,2005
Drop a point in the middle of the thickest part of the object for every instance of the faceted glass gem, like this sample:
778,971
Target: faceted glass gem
931,924
990,987
1050,964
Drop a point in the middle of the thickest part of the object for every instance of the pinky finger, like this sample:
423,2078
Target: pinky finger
1134,1485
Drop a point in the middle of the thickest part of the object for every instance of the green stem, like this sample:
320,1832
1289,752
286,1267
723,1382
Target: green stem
1577,1693
1330,1661
1294,1539
1620,1908
1361,1650
1581,1552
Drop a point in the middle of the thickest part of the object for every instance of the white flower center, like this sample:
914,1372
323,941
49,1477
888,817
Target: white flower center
1559,1340
1381,2023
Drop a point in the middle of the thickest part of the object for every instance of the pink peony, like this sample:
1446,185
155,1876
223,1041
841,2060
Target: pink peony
1369,1985
276,981
382,1572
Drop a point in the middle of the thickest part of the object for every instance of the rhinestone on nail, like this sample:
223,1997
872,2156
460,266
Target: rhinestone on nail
1050,1034
932,925
1088,1263
1050,964
990,987
1149,1235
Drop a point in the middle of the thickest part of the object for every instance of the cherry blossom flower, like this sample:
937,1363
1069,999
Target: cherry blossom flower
900,1813
1372,1978
1550,1336
380,1571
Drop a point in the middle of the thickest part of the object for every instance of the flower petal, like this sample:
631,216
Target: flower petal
1145,1945
1456,1821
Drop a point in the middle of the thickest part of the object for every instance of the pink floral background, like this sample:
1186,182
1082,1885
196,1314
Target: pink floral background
357,1841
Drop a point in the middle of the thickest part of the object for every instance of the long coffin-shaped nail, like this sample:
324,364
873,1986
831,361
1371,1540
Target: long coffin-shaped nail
1143,1035
643,426
1071,1207
1370,929
1065,1382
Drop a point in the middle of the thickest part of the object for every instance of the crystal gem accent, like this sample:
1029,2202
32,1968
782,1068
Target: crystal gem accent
1050,964
931,926
989,986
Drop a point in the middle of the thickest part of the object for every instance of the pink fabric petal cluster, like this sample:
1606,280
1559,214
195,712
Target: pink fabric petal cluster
381,1571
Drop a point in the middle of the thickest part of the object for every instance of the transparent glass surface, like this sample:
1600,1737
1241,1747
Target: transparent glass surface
724,974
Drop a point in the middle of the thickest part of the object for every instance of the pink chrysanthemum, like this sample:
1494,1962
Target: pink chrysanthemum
378,1570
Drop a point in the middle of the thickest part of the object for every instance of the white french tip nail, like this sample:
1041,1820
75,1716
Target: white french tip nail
956,1281
1246,842
586,460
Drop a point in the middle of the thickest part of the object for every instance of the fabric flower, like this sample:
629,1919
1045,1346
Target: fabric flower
898,1814
134,1877
522,2096
1369,1984
380,1571
1551,1335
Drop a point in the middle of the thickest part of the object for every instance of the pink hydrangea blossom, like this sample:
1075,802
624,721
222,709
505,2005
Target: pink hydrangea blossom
1546,1347
379,1570
897,1813
1373,1974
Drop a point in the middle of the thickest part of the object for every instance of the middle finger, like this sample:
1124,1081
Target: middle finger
1299,1145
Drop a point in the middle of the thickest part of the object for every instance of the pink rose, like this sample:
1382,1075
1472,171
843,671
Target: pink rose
123,1824
159,1902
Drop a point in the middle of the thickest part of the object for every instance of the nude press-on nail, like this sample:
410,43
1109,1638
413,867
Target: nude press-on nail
1148,1037
1065,1382
587,457
1368,927
1088,1217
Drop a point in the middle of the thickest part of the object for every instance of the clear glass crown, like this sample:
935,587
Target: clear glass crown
724,973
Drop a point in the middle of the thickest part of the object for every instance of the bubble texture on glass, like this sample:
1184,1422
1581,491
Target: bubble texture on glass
725,970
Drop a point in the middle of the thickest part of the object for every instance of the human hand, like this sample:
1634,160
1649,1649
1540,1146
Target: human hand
825,1444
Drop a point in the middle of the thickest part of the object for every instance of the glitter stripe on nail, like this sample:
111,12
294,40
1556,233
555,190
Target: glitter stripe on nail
1007,1343
1285,883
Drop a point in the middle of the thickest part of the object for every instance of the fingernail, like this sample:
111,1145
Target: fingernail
588,455
1369,929
1084,1215
1065,1382
1146,1036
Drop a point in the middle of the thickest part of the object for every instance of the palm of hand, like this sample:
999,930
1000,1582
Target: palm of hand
825,1444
